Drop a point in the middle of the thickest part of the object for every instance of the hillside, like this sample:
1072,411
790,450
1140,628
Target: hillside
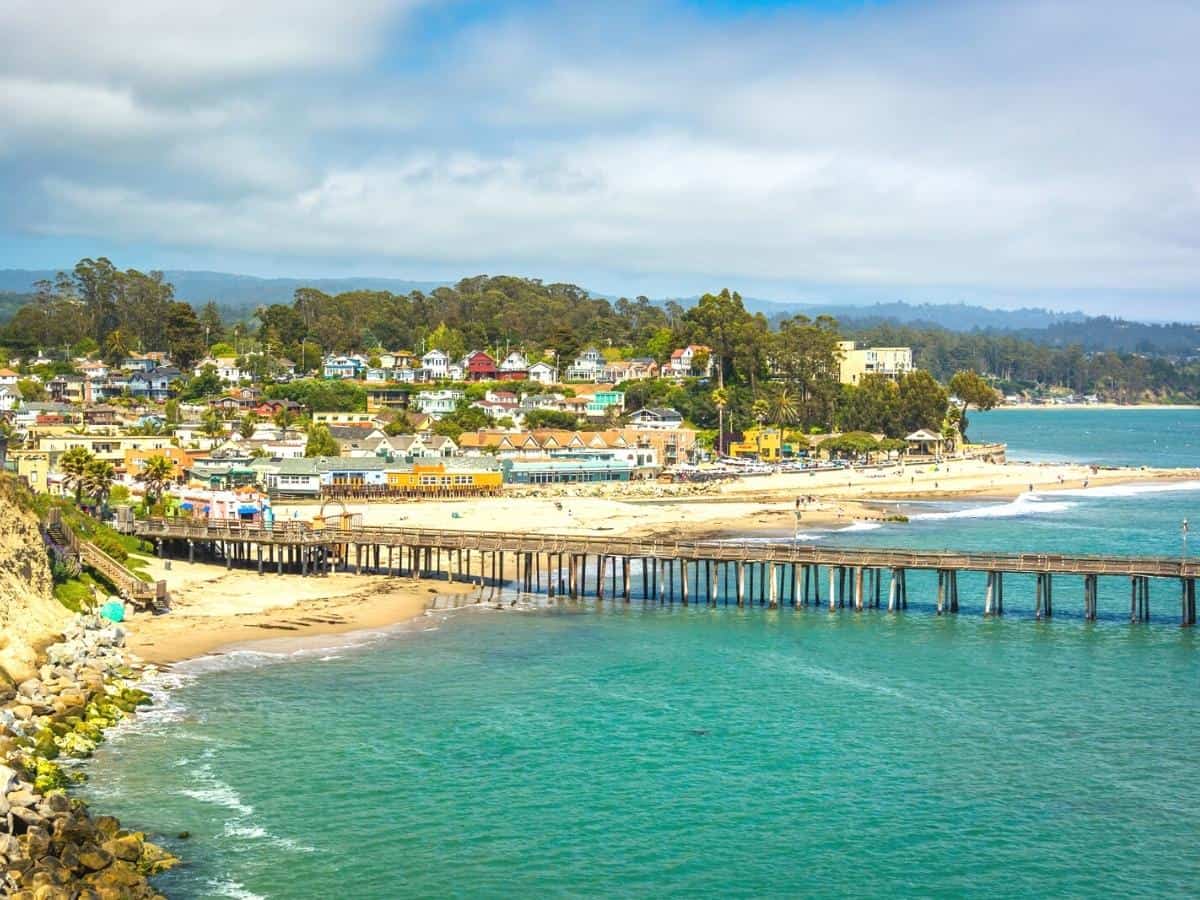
30,616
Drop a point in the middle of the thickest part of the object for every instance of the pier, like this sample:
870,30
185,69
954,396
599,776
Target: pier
766,574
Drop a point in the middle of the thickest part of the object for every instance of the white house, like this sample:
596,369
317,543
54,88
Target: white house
588,366
226,367
515,362
656,418
9,377
543,373
437,364
437,403
683,362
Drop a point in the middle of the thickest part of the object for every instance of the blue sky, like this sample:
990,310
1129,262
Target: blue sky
1004,153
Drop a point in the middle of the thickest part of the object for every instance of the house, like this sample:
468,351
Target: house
437,364
684,361
599,403
478,366
856,361
10,397
295,478
514,367
398,359
377,375
630,370
344,418
571,469
155,384
379,398
335,366
543,373
226,368
69,389
9,377
588,366
446,478
139,362
437,403
656,417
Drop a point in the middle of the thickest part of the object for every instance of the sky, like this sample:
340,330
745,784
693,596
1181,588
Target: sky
1006,153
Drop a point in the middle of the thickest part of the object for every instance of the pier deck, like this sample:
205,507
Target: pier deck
563,560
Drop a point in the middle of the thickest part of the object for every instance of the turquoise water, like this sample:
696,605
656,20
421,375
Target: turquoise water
644,750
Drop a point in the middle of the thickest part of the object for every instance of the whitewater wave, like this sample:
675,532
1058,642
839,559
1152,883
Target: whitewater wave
233,889
1131,490
1024,505
860,526
216,792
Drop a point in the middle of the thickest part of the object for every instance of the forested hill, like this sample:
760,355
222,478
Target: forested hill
238,296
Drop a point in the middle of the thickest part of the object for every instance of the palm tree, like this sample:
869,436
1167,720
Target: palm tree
73,464
213,426
97,481
785,410
720,399
760,410
115,346
247,425
158,472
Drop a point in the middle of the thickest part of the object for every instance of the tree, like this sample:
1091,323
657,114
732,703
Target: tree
73,464
720,399
448,340
783,409
156,474
464,418
211,423
116,348
247,425
872,405
970,388
97,480
31,390
551,418
205,384
321,442
183,333
923,402
717,321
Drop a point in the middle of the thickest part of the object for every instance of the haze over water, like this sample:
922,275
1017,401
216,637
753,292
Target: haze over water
678,751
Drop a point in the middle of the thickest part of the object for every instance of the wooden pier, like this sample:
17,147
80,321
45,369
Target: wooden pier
768,574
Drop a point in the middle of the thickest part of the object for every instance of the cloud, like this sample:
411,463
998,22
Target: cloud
1024,147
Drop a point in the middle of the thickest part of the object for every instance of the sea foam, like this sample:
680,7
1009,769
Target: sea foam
1024,505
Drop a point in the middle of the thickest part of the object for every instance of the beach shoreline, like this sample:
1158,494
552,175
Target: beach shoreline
217,610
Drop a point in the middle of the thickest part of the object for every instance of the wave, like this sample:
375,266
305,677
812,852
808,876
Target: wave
233,889
214,791
1024,505
860,526
1131,490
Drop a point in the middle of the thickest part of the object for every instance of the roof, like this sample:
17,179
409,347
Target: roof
924,434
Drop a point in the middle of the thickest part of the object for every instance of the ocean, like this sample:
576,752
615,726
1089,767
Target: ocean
641,750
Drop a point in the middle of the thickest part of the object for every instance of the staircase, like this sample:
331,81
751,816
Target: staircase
76,554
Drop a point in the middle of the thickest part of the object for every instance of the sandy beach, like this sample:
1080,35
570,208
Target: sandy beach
827,499
214,609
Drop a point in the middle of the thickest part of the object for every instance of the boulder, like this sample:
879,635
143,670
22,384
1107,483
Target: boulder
22,797
126,847
95,858
8,780
30,687
107,826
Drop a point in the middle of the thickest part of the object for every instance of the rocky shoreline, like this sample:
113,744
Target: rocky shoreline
51,846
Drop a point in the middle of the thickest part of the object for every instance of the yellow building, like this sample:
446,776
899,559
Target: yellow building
102,446
435,479
759,443
33,466
855,361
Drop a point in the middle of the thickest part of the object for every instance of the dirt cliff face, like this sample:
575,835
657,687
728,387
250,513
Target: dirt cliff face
30,617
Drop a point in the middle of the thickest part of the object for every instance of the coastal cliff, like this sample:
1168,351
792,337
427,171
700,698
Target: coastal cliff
30,616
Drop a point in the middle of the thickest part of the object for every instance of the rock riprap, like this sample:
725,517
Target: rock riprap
50,845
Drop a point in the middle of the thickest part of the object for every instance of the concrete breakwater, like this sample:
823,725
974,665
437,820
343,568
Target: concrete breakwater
51,846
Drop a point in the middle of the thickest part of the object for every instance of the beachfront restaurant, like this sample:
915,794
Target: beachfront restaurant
568,469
